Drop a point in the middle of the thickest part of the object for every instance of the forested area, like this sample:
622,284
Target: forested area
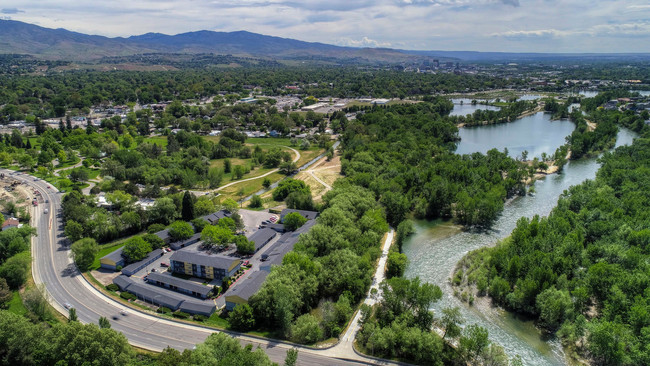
51,95
329,270
404,155
25,343
582,272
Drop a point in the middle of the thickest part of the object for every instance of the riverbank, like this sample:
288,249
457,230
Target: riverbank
539,108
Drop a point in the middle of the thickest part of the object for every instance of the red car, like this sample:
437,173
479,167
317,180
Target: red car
163,264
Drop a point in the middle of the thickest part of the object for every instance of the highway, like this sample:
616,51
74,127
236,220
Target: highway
53,267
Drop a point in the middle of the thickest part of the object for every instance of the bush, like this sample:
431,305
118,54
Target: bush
199,317
164,310
127,296
112,287
154,228
118,268
154,240
181,315
256,202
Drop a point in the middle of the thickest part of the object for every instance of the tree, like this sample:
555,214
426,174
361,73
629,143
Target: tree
238,172
266,183
136,249
14,270
216,236
164,210
292,357
396,264
35,300
72,315
473,343
241,318
451,322
288,168
83,252
5,293
221,349
78,174
154,240
306,330
120,199
293,220
554,306
204,206
215,176
256,202
244,246
73,230
188,212
104,323
180,230
227,166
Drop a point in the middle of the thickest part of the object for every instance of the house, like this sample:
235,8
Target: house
243,291
179,285
277,227
137,266
203,265
611,105
113,260
274,133
274,255
123,282
261,237
309,215
153,295
10,223
164,235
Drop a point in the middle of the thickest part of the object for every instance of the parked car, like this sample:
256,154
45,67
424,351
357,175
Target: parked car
264,257
163,264
153,270
246,263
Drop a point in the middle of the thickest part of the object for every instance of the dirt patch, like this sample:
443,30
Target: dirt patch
104,276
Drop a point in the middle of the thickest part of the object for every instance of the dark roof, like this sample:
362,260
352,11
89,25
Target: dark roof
203,308
203,259
155,295
216,216
277,227
249,286
123,282
285,244
178,282
184,243
163,234
262,236
134,267
309,215
115,256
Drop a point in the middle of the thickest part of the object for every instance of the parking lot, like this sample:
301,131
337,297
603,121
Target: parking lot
253,219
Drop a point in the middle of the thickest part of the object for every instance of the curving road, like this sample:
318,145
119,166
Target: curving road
53,267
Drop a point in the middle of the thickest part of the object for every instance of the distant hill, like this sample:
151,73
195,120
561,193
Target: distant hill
60,44
24,38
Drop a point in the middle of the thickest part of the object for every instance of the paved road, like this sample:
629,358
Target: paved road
53,267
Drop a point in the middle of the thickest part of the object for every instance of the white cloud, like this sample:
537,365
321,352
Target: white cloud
363,42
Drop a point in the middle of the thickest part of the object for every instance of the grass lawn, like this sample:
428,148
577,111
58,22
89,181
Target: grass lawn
92,173
248,187
159,140
215,320
16,306
106,249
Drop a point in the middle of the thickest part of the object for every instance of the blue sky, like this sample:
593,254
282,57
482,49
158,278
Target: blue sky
475,25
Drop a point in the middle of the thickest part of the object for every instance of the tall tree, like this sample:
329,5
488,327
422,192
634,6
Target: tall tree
188,212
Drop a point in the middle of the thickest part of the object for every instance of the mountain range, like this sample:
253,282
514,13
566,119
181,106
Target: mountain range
61,44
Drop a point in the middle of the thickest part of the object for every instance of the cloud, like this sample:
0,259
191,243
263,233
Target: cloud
11,11
454,3
363,42
541,33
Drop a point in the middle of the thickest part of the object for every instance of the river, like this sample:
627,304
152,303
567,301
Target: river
467,108
436,247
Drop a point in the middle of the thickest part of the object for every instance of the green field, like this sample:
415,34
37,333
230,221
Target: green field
159,140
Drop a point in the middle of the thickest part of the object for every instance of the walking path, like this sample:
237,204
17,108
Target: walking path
345,347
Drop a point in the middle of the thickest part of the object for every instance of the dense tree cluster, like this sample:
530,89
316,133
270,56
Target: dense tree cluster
404,155
508,113
331,267
583,271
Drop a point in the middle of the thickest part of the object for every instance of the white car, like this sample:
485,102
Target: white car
67,305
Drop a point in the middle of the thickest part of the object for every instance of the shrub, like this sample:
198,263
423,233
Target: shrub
112,287
164,310
128,296
199,317
154,228
118,268
181,315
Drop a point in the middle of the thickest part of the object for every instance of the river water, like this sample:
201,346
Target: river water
467,108
535,133
436,247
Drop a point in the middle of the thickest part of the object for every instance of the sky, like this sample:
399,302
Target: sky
565,26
